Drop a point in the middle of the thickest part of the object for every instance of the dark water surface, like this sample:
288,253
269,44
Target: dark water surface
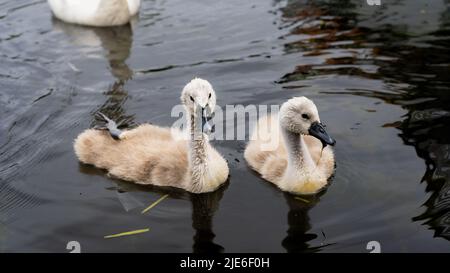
379,75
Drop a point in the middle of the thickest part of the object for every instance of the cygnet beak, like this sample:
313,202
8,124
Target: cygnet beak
318,131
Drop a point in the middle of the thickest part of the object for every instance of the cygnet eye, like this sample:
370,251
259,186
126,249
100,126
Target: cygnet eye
192,99
305,116
209,96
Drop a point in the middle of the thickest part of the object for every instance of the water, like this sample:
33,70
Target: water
379,75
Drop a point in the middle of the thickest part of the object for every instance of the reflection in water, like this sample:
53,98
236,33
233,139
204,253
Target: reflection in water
429,135
116,43
298,220
116,96
204,206
417,62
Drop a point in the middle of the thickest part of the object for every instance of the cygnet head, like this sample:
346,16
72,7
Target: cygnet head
299,115
198,93
199,98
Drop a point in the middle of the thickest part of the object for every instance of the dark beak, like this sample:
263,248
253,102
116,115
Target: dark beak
318,131
206,119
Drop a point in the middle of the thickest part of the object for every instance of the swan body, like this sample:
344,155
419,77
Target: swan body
287,148
98,13
161,156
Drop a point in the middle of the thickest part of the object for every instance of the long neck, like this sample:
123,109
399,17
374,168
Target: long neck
299,158
197,155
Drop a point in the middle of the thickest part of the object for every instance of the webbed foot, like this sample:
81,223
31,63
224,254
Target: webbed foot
110,125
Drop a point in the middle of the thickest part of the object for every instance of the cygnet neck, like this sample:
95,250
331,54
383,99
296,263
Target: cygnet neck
299,157
197,154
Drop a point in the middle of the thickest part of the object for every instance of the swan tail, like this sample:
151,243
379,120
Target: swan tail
92,147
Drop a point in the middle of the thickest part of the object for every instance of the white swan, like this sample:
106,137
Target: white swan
154,155
299,160
98,13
